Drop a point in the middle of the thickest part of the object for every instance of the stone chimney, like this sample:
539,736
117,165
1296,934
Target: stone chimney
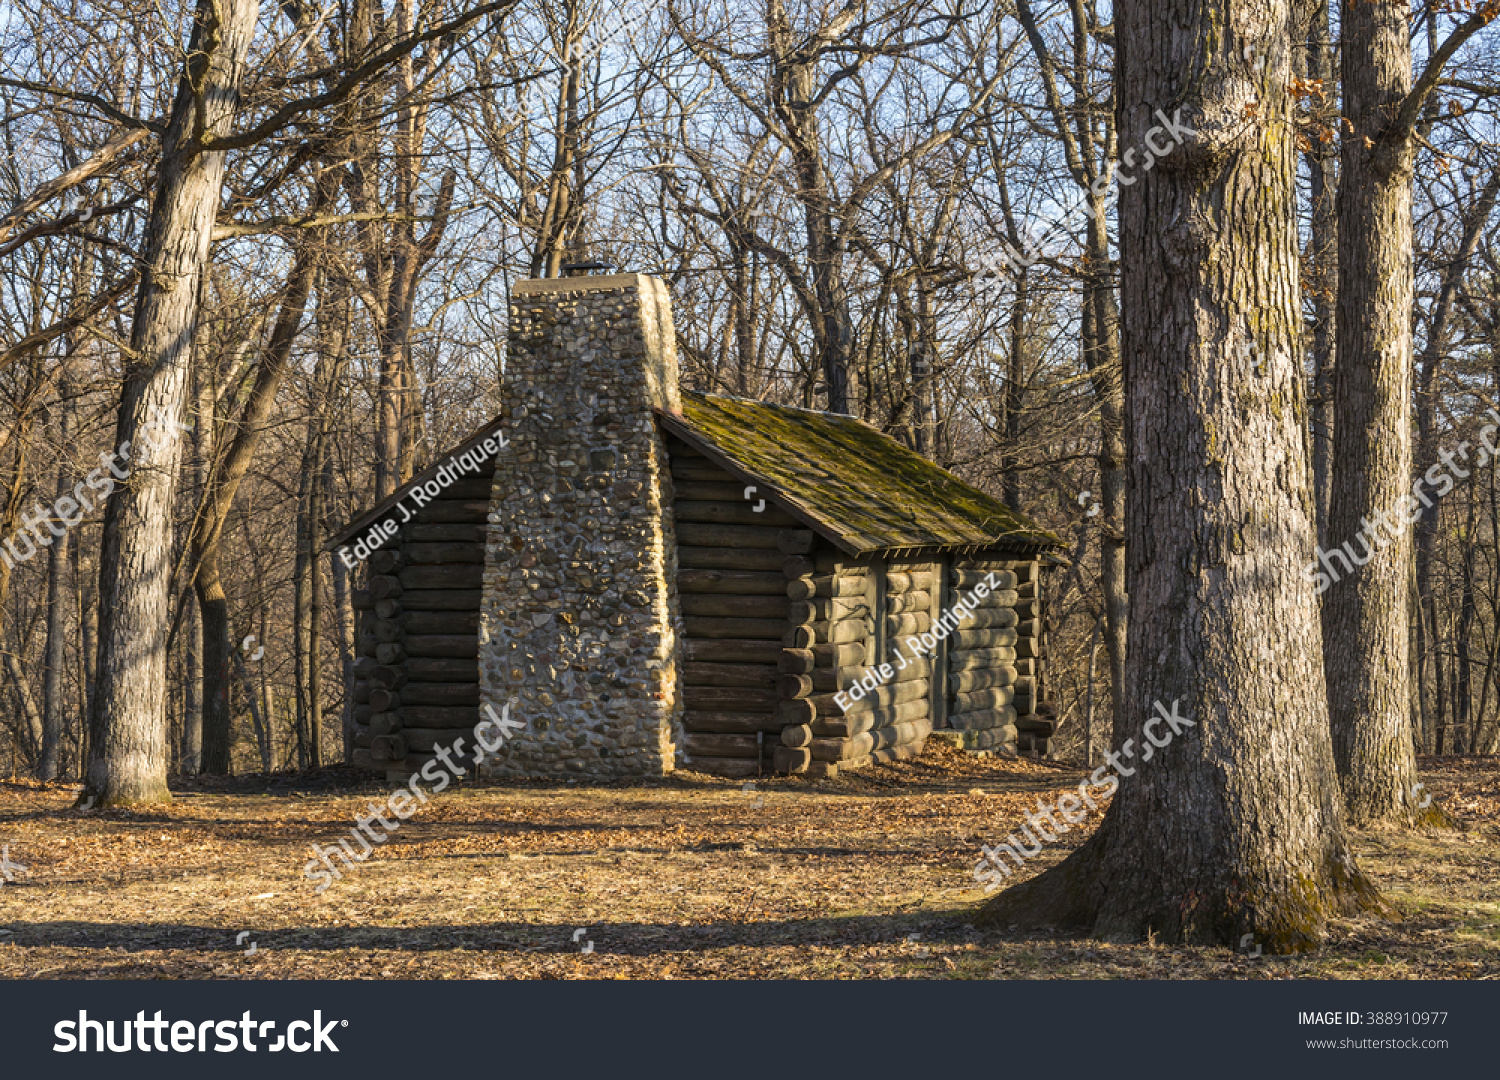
579,614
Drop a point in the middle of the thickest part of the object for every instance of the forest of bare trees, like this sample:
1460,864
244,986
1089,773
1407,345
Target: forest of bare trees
270,249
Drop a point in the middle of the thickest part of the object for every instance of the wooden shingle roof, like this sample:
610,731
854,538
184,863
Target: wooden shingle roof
859,488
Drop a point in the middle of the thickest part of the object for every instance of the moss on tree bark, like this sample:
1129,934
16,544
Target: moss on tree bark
1235,826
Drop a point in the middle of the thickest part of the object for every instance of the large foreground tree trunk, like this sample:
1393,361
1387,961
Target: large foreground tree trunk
128,751
1234,826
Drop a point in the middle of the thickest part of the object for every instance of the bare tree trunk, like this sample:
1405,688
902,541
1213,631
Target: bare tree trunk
27,700
1218,517
31,734
213,611
191,754
81,590
88,659
1488,734
1320,275
344,620
403,262
1440,684
1427,450
1015,378
128,745
792,84
1088,715
333,314
257,723
301,632
742,316
315,612
266,735
304,602
1105,374
1365,614
201,465
1468,612
222,486
53,710
558,212
396,395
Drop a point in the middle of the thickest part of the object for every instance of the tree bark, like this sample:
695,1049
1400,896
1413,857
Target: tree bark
333,315
53,711
1234,826
213,611
86,580
315,614
191,751
190,754
128,745
302,586
1468,612
21,684
1320,273
223,484
1105,375
344,621
252,702
1014,397
1365,614
307,585
559,216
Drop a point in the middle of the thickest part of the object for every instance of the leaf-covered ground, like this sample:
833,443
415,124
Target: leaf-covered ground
866,876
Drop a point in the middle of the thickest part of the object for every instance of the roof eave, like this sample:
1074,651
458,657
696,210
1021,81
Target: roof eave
386,505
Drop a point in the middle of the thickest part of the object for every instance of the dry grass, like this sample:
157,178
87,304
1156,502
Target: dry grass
867,876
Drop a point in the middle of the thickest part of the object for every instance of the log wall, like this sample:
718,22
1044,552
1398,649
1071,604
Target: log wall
417,673
735,609
996,696
848,615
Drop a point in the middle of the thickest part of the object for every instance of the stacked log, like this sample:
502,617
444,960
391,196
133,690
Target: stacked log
734,606
908,603
419,669
892,719
1036,715
1021,653
981,657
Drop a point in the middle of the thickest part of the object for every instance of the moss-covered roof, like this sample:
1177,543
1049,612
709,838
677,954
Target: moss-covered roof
858,487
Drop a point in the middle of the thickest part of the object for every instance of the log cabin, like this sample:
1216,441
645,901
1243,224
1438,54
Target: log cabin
654,579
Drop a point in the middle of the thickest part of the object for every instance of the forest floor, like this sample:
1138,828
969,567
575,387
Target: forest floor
869,875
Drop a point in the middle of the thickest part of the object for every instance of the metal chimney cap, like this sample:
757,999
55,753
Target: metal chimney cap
580,269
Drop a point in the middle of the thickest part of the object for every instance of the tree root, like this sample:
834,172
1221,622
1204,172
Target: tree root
1084,896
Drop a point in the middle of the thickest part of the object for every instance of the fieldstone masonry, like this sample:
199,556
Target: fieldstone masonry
579,617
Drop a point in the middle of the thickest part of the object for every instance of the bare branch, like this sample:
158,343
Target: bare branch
1411,106
351,82
106,155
